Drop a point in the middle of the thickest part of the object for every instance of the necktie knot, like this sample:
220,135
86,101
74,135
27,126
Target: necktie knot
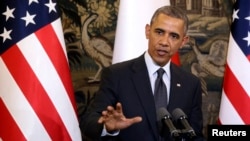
160,72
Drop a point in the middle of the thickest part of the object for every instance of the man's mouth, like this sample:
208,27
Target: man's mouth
161,52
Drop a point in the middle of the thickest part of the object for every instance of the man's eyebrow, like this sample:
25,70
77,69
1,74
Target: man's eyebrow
175,34
171,33
159,29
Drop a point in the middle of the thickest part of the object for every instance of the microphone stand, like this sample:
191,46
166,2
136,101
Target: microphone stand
182,135
176,135
187,134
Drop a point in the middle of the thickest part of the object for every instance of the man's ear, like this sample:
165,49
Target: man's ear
185,40
147,31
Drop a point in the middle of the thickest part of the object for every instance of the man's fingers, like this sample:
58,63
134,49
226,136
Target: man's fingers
114,117
137,119
104,113
100,120
110,110
119,107
132,121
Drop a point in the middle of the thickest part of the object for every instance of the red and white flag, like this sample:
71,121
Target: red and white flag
36,93
130,39
235,100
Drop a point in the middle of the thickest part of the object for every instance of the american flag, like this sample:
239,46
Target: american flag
235,100
36,94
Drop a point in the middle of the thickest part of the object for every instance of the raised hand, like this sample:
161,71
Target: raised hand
114,119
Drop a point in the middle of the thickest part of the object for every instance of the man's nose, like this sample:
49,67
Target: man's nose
164,40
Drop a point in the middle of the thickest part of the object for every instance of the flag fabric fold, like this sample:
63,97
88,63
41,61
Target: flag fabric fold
36,92
130,39
235,99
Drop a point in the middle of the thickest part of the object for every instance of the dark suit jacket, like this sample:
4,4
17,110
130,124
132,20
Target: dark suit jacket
129,84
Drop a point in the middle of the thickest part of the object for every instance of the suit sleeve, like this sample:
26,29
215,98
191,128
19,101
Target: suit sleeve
102,98
196,117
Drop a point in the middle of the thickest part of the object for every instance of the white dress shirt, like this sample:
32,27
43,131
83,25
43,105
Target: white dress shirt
152,72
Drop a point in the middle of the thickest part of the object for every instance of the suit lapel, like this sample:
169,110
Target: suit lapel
176,87
144,91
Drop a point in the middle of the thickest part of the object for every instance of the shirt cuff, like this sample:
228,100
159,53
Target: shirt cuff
106,133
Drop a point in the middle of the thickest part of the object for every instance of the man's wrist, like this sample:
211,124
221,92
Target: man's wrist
109,133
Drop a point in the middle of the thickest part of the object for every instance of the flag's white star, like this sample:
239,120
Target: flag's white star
51,6
30,1
248,18
235,16
247,39
6,34
9,13
29,18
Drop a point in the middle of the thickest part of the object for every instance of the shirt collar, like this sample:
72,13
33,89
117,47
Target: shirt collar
153,67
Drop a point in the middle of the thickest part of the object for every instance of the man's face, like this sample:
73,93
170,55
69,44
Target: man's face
165,36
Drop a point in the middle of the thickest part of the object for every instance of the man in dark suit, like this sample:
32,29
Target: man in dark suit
124,107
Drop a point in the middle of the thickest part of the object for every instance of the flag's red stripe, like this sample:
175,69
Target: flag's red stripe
219,121
176,59
9,131
53,48
248,57
237,95
35,93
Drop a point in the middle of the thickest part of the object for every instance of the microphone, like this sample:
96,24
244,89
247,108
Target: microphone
179,115
165,117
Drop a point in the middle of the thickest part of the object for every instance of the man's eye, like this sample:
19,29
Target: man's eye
175,36
159,31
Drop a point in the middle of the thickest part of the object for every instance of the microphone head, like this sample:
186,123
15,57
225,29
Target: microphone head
162,113
178,113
